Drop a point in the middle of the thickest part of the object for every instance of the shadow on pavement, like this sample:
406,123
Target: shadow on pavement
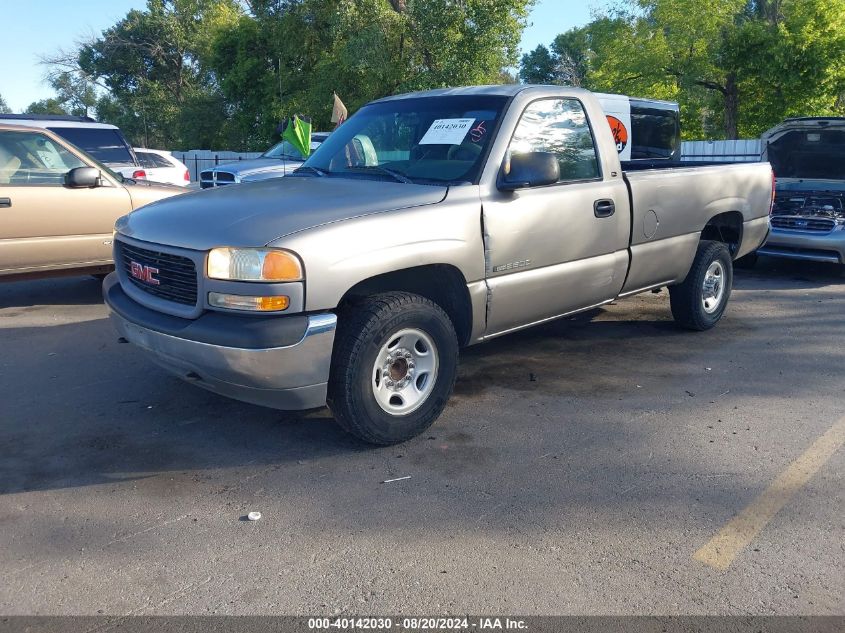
80,409
59,291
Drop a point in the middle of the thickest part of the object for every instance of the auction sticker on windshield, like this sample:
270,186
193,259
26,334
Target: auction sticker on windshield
447,132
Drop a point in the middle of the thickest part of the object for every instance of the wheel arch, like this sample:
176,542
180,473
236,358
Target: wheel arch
444,284
725,227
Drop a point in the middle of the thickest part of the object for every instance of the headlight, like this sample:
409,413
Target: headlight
254,264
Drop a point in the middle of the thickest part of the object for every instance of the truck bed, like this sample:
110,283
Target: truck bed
672,202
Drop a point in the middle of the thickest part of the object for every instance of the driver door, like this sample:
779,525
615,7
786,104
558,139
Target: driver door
556,248
43,223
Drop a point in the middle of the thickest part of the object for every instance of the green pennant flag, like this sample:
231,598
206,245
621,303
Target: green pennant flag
298,133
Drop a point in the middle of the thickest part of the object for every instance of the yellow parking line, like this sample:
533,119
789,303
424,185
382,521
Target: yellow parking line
720,551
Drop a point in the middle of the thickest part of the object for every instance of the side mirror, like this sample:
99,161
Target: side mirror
83,177
532,169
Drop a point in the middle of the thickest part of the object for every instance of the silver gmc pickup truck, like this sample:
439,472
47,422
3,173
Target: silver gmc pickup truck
426,222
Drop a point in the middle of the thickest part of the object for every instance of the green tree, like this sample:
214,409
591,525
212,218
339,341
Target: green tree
74,93
50,105
736,66
153,64
572,52
212,73
4,108
289,57
567,63
538,67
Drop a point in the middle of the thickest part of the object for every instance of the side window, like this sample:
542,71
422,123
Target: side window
149,160
31,158
158,160
10,163
558,126
145,159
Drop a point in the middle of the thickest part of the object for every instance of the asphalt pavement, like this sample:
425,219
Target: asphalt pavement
581,468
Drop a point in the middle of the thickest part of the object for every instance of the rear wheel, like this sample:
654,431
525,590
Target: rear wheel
700,300
393,368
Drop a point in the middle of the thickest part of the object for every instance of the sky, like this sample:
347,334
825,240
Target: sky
32,28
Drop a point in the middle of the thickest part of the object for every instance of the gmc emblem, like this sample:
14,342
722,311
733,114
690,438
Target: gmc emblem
144,273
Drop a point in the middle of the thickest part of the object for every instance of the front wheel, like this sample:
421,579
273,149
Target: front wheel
700,300
393,367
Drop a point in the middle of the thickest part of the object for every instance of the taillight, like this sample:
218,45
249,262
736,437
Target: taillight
139,173
772,203
187,176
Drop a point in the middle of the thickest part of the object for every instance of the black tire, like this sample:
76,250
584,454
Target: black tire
747,262
687,298
363,331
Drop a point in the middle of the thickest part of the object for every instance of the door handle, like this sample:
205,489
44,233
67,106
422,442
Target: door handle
604,208
5,203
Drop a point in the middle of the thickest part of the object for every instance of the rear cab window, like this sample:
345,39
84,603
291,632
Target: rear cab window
656,131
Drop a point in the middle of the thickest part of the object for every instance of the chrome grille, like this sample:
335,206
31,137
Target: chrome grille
803,223
210,178
177,275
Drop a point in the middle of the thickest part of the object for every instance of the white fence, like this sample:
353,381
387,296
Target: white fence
738,151
198,159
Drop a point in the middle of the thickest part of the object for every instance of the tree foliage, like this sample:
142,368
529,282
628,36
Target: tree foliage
51,105
153,65
223,73
566,63
284,58
736,66
4,108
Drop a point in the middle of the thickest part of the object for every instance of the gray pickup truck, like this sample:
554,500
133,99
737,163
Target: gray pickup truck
426,222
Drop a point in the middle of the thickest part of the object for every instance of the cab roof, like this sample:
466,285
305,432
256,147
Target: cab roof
52,120
499,90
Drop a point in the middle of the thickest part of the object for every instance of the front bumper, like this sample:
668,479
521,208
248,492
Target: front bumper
805,245
231,354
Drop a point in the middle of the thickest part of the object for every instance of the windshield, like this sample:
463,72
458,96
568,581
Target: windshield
104,144
428,140
283,150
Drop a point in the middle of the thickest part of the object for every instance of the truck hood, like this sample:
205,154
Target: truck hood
255,214
258,165
810,149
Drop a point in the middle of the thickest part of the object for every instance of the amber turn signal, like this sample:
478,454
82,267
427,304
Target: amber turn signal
280,265
254,304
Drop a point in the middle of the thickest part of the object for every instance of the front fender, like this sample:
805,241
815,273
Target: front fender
340,255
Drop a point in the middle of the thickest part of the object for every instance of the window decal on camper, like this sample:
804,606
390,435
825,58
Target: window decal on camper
620,133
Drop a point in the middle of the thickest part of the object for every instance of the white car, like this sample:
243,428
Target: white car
161,166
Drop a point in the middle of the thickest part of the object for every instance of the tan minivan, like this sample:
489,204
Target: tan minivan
58,205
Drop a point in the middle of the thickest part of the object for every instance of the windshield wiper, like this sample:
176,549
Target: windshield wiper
309,169
396,175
